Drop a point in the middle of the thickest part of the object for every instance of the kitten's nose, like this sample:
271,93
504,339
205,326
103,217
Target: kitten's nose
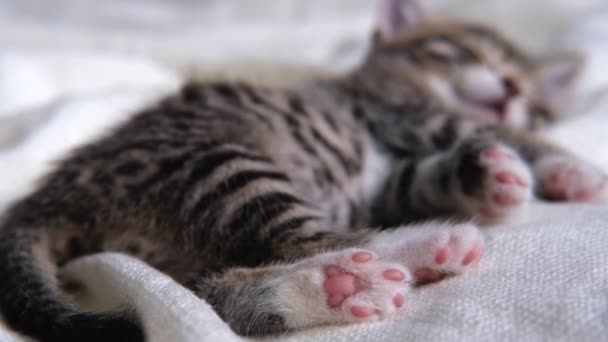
480,84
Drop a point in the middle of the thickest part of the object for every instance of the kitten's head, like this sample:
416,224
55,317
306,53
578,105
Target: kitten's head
470,68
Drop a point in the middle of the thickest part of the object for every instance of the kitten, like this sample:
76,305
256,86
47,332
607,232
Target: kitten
284,207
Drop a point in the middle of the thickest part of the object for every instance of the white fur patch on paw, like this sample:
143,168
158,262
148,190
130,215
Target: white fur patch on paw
432,251
565,178
352,285
506,188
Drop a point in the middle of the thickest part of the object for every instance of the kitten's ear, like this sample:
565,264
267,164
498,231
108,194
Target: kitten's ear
560,75
396,17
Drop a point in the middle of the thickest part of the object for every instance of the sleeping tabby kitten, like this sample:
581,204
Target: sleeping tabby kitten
284,208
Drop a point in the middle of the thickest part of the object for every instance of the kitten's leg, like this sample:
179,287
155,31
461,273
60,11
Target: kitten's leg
559,174
480,178
345,286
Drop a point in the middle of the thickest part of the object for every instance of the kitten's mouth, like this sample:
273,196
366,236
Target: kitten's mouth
494,110
497,108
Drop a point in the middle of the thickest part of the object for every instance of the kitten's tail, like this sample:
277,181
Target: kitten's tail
31,302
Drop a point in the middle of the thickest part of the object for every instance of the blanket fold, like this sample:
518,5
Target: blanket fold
545,278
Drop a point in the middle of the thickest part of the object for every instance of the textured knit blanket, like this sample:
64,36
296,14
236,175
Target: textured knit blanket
544,278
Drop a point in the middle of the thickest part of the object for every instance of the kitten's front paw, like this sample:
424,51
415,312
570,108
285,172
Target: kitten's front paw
498,181
565,178
342,287
435,251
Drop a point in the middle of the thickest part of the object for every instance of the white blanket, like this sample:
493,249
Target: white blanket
542,279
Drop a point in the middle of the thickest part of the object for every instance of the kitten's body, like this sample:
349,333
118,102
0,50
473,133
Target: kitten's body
221,179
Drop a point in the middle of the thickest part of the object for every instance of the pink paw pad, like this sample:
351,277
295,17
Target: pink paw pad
361,311
338,285
506,177
398,300
442,256
583,195
359,284
394,275
473,255
362,257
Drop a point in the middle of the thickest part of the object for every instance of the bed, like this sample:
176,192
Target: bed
66,78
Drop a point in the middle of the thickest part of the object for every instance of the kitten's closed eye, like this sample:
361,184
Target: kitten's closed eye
440,48
450,52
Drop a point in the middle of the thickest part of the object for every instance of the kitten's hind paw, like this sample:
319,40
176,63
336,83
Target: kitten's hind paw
432,251
352,285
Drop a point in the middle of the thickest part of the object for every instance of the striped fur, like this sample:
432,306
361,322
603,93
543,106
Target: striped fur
227,187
